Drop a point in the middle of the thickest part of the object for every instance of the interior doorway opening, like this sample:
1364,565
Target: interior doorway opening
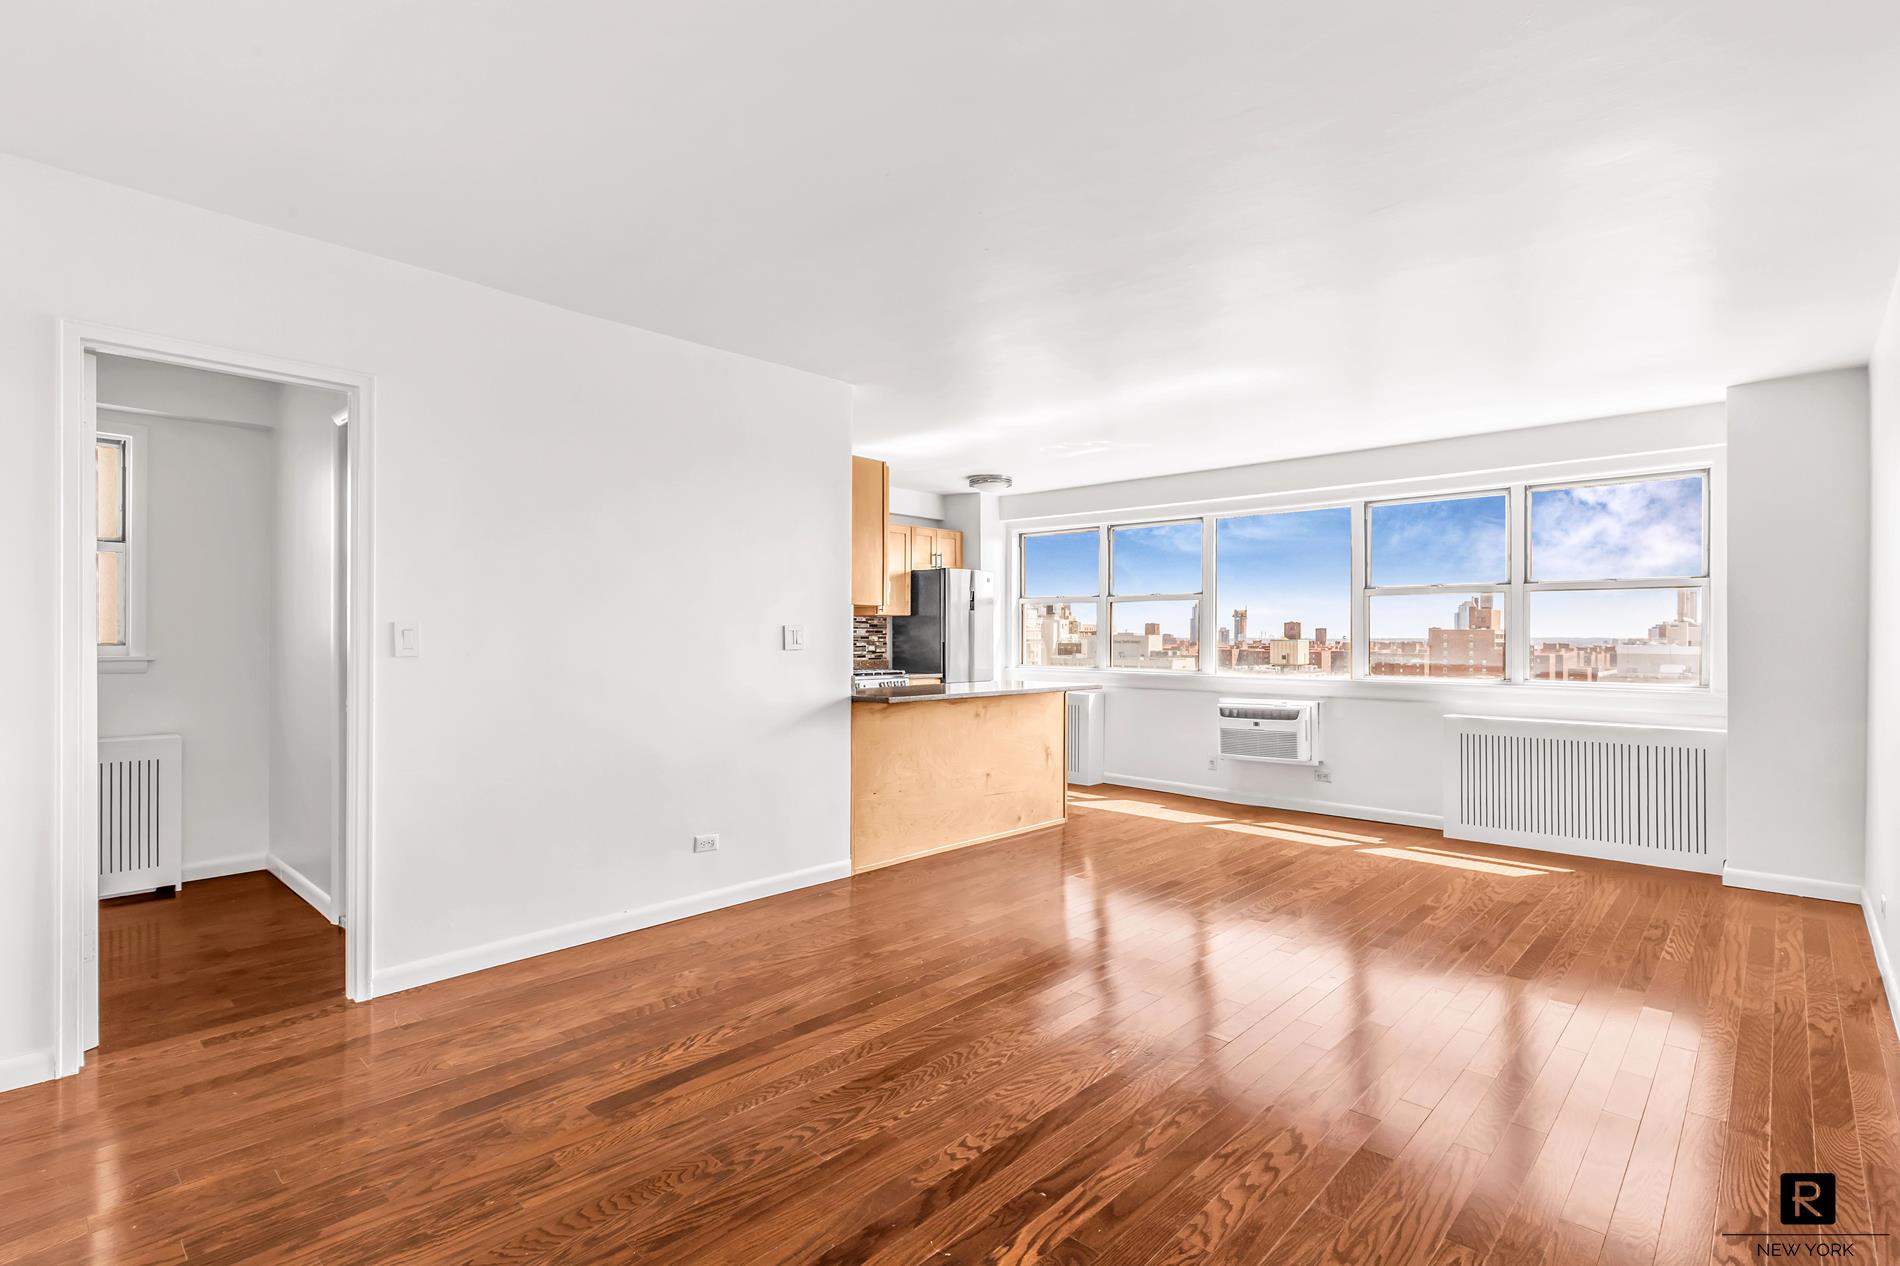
222,587
214,690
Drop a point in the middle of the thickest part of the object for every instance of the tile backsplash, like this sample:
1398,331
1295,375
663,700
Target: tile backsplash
870,641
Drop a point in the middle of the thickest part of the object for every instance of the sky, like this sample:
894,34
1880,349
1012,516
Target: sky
1297,565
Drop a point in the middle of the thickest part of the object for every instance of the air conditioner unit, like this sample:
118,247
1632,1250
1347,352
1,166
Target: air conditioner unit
1269,729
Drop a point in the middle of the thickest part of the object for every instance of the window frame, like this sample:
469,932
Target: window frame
1355,551
1096,599
1702,582
1515,589
133,656
1105,645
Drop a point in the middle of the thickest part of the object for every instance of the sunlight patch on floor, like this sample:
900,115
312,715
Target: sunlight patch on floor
1142,809
1473,857
1456,860
1279,833
1338,835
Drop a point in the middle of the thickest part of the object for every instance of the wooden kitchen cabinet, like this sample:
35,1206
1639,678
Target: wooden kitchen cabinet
883,554
870,530
897,563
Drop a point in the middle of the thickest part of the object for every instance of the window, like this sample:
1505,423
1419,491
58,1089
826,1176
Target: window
1283,590
1061,584
1598,581
1618,581
1155,596
110,455
1437,572
119,561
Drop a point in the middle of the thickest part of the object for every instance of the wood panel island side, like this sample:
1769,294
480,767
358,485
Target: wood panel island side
942,767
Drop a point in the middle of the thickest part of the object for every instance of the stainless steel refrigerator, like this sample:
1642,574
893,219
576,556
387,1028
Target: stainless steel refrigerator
951,628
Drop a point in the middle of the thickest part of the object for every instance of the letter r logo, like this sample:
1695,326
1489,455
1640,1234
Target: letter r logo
1807,1199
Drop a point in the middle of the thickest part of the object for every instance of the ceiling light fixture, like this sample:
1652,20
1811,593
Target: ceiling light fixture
988,483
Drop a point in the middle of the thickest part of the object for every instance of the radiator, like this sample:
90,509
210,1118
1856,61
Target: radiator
139,838
1086,715
1635,793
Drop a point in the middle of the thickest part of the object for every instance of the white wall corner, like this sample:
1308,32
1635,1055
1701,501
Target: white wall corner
1883,963
1791,885
299,883
214,867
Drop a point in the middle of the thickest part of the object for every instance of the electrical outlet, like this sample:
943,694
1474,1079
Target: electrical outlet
705,843
1213,764
1322,774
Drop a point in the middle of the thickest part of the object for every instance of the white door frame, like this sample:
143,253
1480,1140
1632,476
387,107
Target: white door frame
76,724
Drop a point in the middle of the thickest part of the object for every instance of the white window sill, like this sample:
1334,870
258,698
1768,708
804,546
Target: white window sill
1557,698
125,663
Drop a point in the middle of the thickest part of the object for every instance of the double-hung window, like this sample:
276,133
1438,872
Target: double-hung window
1438,573
119,561
1155,595
1617,582
111,460
1061,595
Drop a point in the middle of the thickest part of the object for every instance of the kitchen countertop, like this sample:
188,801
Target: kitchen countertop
928,691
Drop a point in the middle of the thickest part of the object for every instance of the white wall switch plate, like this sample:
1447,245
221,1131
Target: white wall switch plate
405,639
794,635
705,843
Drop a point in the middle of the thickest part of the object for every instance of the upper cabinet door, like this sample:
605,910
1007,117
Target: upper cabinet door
870,516
897,550
923,548
950,547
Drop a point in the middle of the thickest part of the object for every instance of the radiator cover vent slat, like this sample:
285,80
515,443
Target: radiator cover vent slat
1637,793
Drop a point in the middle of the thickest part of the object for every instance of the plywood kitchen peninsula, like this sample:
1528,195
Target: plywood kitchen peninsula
941,767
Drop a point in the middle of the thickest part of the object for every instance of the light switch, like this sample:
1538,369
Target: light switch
405,638
794,637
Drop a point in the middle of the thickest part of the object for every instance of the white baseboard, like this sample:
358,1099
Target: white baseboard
1791,885
27,1070
1292,804
212,868
425,971
1882,962
300,883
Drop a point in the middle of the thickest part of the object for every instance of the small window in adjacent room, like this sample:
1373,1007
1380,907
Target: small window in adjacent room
1618,581
1437,571
119,560
110,458
1283,593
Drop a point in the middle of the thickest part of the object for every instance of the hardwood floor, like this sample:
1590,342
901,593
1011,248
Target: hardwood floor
1167,1032
222,952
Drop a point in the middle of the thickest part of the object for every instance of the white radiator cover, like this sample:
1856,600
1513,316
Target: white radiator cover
140,844
1087,712
1634,793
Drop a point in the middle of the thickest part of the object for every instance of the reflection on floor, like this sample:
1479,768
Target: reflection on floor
234,950
1139,1037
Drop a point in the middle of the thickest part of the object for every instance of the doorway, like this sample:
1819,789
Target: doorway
214,684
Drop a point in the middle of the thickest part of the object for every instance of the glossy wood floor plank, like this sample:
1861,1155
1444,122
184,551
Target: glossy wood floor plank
1169,1031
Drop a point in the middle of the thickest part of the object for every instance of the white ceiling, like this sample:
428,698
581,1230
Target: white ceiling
1072,240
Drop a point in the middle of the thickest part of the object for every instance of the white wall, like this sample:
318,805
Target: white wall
1883,694
1380,741
1797,646
599,529
207,492
307,681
